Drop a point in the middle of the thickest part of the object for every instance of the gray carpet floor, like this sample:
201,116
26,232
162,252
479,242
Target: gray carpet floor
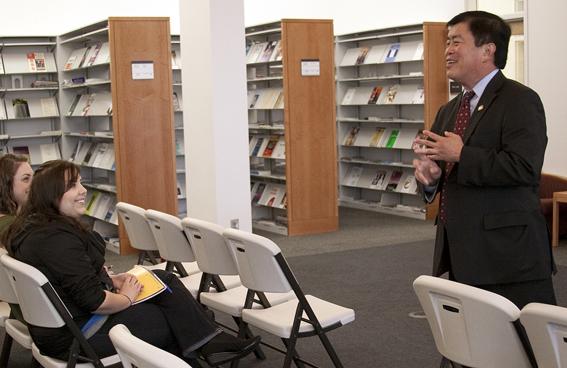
368,265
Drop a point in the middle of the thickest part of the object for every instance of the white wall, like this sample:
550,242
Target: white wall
546,73
54,17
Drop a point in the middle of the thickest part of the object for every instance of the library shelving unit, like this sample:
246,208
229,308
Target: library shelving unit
178,125
390,84
291,115
117,117
29,115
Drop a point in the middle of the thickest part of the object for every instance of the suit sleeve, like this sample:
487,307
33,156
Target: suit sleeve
518,159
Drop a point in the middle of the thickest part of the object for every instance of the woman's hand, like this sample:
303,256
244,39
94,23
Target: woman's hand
129,289
118,279
130,286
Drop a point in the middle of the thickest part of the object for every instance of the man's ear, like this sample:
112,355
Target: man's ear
488,50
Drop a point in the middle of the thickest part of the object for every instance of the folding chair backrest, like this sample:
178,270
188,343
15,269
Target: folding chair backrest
546,326
470,326
137,228
28,281
212,252
170,238
134,351
7,293
257,265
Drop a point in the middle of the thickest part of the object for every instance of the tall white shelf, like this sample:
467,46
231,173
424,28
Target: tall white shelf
29,115
86,120
178,125
390,83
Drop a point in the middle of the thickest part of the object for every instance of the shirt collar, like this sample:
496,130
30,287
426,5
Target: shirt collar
480,87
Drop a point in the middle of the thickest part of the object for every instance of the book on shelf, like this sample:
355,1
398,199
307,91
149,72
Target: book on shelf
253,97
1,66
98,154
377,137
49,151
20,108
103,55
257,191
348,97
255,51
389,95
91,54
266,53
350,137
351,57
92,197
279,104
28,62
352,176
407,183
362,53
75,59
151,284
181,188
277,53
418,54
88,158
36,61
40,83
364,137
279,149
49,106
176,102
380,179
3,115
272,141
391,140
73,105
273,195
392,52
405,139
101,205
373,99
259,146
418,97
394,180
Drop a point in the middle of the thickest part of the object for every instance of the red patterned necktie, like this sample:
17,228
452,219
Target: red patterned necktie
463,117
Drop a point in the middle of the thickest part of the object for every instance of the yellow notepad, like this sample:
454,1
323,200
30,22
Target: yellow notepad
152,284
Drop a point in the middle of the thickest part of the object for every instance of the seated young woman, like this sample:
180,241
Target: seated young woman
48,234
15,180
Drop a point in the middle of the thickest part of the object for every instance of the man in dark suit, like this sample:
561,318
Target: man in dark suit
483,156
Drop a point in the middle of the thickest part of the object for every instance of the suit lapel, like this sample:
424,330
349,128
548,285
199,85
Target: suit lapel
484,103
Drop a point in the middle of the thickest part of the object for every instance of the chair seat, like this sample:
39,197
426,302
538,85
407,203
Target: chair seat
49,362
193,282
19,332
278,319
190,267
4,312
232,301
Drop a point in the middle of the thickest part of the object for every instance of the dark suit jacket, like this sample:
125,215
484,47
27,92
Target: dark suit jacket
495,230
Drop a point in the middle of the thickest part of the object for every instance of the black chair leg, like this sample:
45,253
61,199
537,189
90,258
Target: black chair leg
330,350
6,347
292,354
245,332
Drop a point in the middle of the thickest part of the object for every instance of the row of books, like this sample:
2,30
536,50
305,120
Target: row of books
28,62
101,206
91,104
99,155
21,108
384,95
269,194
380,137
387,179
267,146
266,98
98,53
262,52
37,153
384,53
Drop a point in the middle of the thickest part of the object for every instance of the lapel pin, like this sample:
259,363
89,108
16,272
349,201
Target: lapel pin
481,107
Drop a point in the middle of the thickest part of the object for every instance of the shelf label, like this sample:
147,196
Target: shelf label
142,70
310,67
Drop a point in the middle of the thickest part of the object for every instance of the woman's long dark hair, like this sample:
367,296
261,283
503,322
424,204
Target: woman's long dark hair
9,164
50,182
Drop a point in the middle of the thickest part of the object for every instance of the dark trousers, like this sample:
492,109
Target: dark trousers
172,321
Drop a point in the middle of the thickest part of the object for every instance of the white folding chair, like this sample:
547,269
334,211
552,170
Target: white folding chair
215,257
137,353
42,307
262,267
175,246
471,326
15,330
546,327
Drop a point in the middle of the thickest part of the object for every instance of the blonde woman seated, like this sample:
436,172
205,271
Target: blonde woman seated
48,234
